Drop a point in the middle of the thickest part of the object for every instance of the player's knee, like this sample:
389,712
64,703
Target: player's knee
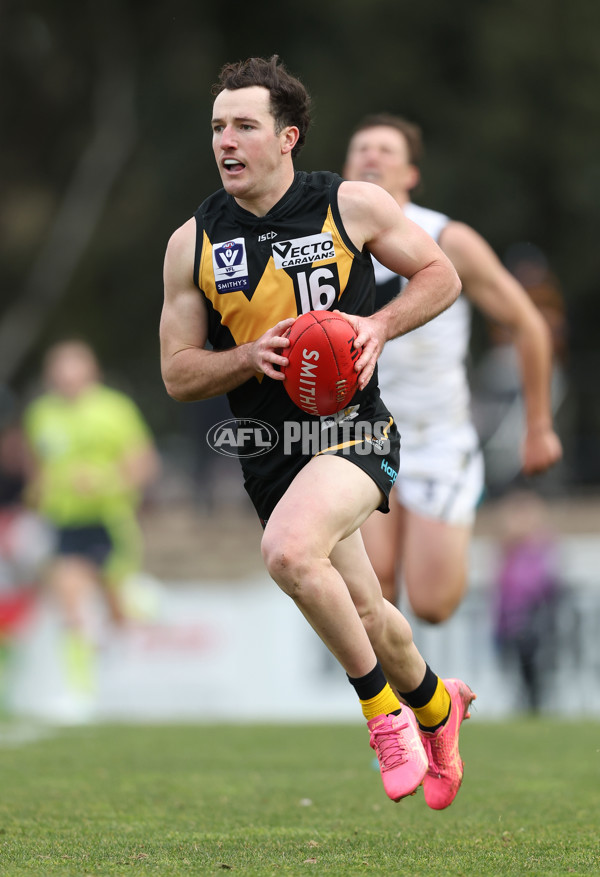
284,561
436,600
434,613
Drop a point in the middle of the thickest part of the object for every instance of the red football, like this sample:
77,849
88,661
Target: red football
320,378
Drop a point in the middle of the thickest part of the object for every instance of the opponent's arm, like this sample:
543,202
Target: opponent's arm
374,220
190,371
498,294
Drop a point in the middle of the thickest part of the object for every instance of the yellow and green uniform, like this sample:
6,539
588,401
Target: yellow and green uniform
80,445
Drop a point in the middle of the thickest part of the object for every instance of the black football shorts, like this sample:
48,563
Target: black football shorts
365,435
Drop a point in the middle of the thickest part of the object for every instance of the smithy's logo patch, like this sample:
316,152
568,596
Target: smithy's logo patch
230,265
303,251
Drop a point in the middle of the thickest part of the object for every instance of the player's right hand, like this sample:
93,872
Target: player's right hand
267,351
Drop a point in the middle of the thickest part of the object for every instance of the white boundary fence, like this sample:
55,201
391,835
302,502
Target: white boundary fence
242,652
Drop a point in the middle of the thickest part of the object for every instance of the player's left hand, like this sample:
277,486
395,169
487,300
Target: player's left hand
542,448
370,338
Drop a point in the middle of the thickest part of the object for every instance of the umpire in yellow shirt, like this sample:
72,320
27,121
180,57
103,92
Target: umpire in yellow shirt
91,456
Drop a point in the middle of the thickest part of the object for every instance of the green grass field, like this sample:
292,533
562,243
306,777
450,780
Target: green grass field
181,800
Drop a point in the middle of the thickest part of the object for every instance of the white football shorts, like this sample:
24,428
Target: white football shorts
441,474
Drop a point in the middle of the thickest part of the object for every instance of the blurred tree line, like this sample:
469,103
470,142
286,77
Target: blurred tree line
105,110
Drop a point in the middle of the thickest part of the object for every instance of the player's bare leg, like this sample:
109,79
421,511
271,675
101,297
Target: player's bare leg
72,580
342,599
388,630
383,536
326,503
435,569
445,767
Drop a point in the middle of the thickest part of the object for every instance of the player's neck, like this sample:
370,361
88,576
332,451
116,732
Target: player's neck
261,202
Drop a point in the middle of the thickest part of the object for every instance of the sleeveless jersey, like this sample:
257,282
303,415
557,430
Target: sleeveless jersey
422,375
254,271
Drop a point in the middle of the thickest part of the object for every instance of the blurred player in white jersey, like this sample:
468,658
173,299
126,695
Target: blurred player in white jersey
422,376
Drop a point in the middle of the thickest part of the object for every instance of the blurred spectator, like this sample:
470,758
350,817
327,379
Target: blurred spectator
24,545
498,409
527,589
91,456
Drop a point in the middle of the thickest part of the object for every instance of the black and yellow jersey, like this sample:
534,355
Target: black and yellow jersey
255,271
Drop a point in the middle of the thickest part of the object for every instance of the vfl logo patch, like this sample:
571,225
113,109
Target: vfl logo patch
230,265
303,251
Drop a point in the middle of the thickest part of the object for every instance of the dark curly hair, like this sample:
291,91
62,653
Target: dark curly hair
289,101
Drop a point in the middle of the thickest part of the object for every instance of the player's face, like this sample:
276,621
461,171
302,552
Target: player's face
253,160
70,369
380,155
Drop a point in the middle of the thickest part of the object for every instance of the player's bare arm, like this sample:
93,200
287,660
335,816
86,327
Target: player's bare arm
374,220
190,371
494,290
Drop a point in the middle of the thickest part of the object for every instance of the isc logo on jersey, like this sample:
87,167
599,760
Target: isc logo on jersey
230,265
303,251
